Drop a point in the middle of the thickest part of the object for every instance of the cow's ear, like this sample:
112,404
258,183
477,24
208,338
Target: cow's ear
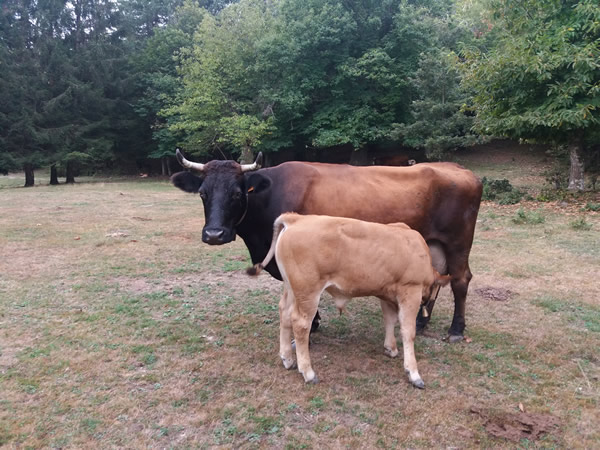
256,183
186,181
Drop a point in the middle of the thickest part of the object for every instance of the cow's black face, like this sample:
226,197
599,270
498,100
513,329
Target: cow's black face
224,195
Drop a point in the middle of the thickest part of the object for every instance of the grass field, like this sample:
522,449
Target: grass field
119,328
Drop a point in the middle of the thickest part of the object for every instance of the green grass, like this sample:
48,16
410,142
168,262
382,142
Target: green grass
573,313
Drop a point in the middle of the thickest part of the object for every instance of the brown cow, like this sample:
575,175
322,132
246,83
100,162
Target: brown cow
439,200
349,258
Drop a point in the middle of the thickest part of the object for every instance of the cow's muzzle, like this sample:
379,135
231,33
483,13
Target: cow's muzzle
216,236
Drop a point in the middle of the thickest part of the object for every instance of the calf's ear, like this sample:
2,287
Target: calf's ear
186,181
256,183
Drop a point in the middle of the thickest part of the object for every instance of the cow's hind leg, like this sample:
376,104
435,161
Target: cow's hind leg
315,323
390,318
461,277
285,329
303,311
439,263
407,313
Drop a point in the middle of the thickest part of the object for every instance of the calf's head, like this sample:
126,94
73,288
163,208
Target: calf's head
224,191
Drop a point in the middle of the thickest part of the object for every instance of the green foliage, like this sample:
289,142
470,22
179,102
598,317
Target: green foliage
590,206
542,79
157,76
66,85
501,191
219,102
441,120
523,217
302,72
7,163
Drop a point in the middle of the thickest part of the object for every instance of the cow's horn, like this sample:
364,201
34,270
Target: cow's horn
188,164
255,166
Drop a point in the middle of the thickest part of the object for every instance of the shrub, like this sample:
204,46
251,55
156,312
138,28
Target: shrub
592,206
501,191
580,224
549,194
528,217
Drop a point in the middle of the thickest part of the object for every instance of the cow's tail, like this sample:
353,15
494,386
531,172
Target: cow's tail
278,226
430,293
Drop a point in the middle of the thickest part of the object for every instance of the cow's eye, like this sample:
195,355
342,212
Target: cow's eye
202,195
236,195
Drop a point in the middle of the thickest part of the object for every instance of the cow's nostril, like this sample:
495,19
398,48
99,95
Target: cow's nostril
213,236
214,233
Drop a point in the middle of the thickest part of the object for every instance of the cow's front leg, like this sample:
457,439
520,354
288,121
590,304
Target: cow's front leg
390,317
407,313
285,329
303,311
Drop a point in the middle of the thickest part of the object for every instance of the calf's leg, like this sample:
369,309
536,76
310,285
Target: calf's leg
390,317
285,329
303,311
409,306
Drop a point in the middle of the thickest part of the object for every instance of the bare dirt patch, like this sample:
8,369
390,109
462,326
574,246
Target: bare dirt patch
517,426
494,293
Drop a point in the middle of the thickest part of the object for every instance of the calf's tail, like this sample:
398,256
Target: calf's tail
440,280
278,226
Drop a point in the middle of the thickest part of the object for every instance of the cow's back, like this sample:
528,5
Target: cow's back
428,197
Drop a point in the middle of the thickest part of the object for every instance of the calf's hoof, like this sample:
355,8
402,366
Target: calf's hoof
418,383
315,380
288,363
310,377
389,352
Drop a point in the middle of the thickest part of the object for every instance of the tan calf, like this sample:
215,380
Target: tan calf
349,258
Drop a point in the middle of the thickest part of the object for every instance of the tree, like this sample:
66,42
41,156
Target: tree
63,94
19,90
541,82
157,78
317,73
220,104
441,117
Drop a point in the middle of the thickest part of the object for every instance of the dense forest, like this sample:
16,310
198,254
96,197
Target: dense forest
92,86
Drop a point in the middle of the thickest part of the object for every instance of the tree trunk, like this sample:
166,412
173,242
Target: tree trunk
29,176
70,173
360,157
576,170
247,157
53,175
163,165
169,170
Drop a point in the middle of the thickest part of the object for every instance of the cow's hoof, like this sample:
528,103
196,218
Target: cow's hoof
418,383
422,324
389,352
454,338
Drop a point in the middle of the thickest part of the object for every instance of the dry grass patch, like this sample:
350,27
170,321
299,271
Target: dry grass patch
118,328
